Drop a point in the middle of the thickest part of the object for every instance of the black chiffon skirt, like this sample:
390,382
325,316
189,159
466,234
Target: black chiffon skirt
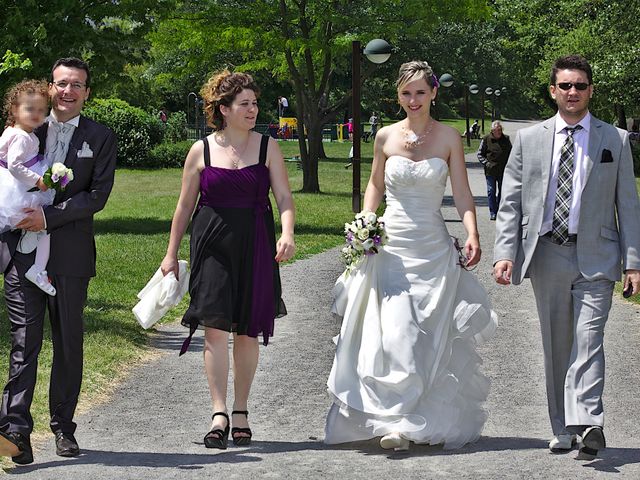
221,282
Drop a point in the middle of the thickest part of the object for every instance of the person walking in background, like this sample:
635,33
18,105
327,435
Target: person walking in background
235,281
569,220
374,122
406,367
493,155
89,149
475,129
283,105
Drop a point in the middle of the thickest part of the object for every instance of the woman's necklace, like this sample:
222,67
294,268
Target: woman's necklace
412,139
236,154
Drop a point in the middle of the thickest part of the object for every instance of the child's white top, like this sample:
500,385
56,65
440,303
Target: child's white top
16,148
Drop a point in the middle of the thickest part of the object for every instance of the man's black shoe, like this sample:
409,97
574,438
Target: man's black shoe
66,445
23,445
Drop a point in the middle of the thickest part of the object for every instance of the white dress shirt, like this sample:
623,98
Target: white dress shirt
53,139
581,149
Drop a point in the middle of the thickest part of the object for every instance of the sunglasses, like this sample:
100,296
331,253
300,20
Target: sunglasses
568,85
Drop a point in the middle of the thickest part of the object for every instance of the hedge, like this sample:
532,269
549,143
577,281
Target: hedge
169,155
138,132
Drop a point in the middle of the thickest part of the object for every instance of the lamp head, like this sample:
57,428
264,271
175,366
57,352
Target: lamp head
473,88
378,50
446,80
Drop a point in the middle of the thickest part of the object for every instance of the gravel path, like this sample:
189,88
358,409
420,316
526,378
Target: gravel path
153,427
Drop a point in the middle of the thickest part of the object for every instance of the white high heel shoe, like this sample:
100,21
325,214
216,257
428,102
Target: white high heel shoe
394,440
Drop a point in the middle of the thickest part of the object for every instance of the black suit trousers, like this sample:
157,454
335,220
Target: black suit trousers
26,306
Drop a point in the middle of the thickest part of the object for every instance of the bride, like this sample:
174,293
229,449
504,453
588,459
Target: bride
405,367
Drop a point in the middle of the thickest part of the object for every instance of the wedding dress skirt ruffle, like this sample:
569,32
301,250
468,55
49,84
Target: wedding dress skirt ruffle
406,356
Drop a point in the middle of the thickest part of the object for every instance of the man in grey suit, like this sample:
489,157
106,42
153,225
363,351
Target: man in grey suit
569,220
89,149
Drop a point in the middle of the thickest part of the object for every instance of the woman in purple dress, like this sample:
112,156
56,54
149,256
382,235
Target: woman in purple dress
235,282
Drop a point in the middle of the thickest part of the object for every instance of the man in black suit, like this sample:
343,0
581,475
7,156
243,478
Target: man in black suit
89,149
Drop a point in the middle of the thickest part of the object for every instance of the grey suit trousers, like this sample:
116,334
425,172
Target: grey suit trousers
573,312
26,306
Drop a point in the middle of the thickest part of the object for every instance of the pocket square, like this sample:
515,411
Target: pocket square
606,156
85,151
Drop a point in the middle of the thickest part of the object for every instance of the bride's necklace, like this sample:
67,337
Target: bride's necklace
412,139
236,153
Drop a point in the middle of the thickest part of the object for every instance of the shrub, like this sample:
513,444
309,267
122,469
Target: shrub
175,130
169,155
137,131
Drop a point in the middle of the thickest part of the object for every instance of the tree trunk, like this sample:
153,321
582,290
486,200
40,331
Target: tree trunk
310,182
622,116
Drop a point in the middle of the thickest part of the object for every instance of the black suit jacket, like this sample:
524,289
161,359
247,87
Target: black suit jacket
70,218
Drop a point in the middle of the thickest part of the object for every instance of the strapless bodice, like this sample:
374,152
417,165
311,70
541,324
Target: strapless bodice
415,184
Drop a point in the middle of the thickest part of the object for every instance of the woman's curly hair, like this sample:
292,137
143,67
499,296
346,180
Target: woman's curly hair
12,97
221,89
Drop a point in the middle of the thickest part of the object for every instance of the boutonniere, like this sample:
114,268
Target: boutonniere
85,151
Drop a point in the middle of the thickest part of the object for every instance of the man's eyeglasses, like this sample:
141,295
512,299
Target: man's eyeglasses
569,85
62,85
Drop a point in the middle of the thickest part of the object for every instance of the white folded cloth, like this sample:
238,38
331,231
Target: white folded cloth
161,294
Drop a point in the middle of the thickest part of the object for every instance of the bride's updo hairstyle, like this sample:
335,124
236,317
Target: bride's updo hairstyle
221,89
415,70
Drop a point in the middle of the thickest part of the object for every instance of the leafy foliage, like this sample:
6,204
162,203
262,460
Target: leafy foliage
107,34
137,131
168,155
536,32
304,43
175,130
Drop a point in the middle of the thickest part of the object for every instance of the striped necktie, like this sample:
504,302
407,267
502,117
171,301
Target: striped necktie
61,132
560,229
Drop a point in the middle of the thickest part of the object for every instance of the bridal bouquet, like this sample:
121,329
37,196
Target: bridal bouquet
56,177
364,236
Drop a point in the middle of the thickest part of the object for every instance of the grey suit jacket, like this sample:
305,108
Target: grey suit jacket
609,224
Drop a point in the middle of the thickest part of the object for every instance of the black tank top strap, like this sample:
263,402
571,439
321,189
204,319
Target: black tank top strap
207,155
264,143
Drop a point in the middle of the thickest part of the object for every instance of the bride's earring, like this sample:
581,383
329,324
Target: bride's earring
433,103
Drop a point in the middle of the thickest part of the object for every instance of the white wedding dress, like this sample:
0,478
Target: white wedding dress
412,317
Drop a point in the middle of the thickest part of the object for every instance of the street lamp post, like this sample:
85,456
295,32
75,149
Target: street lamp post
195,108
494,110
377,51
473,89
488,92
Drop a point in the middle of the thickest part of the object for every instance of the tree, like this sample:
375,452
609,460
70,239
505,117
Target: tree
306,43
108,34
539,31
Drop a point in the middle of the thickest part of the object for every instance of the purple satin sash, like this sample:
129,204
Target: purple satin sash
29,163
263,309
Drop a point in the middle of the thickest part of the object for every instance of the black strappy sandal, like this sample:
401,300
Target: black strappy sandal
241,440
218,438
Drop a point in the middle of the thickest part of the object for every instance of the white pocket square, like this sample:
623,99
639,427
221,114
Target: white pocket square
85,151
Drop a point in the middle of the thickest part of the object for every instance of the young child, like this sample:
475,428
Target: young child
21,169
